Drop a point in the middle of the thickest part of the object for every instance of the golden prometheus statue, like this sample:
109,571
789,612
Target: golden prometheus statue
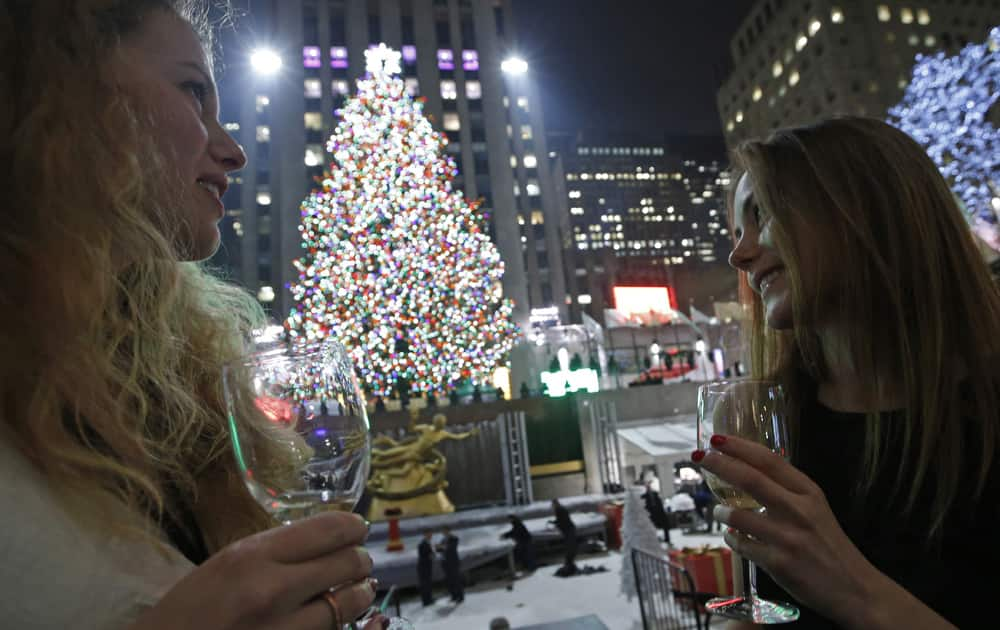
410,474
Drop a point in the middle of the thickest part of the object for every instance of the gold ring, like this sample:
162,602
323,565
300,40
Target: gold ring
338,622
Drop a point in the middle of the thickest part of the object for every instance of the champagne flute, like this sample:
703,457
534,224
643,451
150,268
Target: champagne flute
303,400
753,410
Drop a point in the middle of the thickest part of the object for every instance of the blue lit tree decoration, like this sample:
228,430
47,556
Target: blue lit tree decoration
946,109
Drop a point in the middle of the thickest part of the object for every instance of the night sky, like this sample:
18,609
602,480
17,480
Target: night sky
639,67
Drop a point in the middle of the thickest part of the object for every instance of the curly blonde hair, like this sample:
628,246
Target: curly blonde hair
112,347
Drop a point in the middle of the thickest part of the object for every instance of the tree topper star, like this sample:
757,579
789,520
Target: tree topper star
382,60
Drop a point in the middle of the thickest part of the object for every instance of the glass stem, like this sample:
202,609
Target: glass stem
750,580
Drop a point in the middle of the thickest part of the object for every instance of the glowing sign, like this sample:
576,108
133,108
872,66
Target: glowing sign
564,381
643,300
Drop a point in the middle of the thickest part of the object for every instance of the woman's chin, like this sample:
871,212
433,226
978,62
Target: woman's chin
778,313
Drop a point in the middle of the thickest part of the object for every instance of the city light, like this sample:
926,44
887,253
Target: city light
265,61
514,66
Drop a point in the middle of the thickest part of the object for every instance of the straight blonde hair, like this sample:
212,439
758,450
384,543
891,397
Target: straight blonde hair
897,269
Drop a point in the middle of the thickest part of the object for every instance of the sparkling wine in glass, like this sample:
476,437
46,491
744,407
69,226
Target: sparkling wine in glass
304,401
753,410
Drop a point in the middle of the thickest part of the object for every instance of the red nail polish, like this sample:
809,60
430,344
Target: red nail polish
717,440
697,456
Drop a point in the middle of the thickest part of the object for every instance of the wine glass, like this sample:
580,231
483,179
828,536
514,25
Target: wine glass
753,410
307,405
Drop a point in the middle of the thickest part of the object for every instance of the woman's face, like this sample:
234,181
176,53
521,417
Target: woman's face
756,254
163,67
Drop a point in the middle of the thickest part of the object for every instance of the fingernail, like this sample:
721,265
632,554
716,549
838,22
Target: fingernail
722,513
373,582
364,554
717,440
697,456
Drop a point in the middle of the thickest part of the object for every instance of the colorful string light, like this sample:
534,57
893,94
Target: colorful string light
945,108
396,263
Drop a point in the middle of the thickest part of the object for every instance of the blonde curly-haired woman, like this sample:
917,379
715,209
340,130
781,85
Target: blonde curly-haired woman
121,504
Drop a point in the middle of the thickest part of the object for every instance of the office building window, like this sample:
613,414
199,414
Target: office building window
311,57
313,121
313,88
526,132
263,133
338,57
836,15
443,30
263,196
906,16
470,60
530,161
923,17
340,87
262,101
446,59
884,15
410,53
412,86
533,188
473,90
266,293
314,155
449,91
450,121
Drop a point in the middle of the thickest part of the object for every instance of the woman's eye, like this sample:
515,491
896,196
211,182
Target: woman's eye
197,89
759,216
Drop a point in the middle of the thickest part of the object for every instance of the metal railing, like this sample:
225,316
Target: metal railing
665,605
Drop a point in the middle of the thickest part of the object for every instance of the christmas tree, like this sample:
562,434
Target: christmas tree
396,264
638,532
946,108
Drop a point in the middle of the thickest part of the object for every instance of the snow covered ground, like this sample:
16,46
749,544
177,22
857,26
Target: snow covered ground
542,597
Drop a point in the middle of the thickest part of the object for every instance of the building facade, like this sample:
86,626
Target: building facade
641,212
795,61
452,52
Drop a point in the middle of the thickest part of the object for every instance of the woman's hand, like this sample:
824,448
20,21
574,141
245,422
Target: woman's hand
798,541
276,579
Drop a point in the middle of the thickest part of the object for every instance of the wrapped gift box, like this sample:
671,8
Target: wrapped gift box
711,570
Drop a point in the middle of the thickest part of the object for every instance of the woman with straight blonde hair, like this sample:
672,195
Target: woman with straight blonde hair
872,306
122,505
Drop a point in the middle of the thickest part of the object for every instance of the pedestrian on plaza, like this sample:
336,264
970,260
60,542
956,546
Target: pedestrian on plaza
704,504
425,568
872,306
653,482
564,523
452,565
123,503
524,547
657,514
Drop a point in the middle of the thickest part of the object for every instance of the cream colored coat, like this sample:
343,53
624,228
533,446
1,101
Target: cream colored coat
54,573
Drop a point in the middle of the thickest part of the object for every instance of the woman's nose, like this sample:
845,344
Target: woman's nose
743,253
228,152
